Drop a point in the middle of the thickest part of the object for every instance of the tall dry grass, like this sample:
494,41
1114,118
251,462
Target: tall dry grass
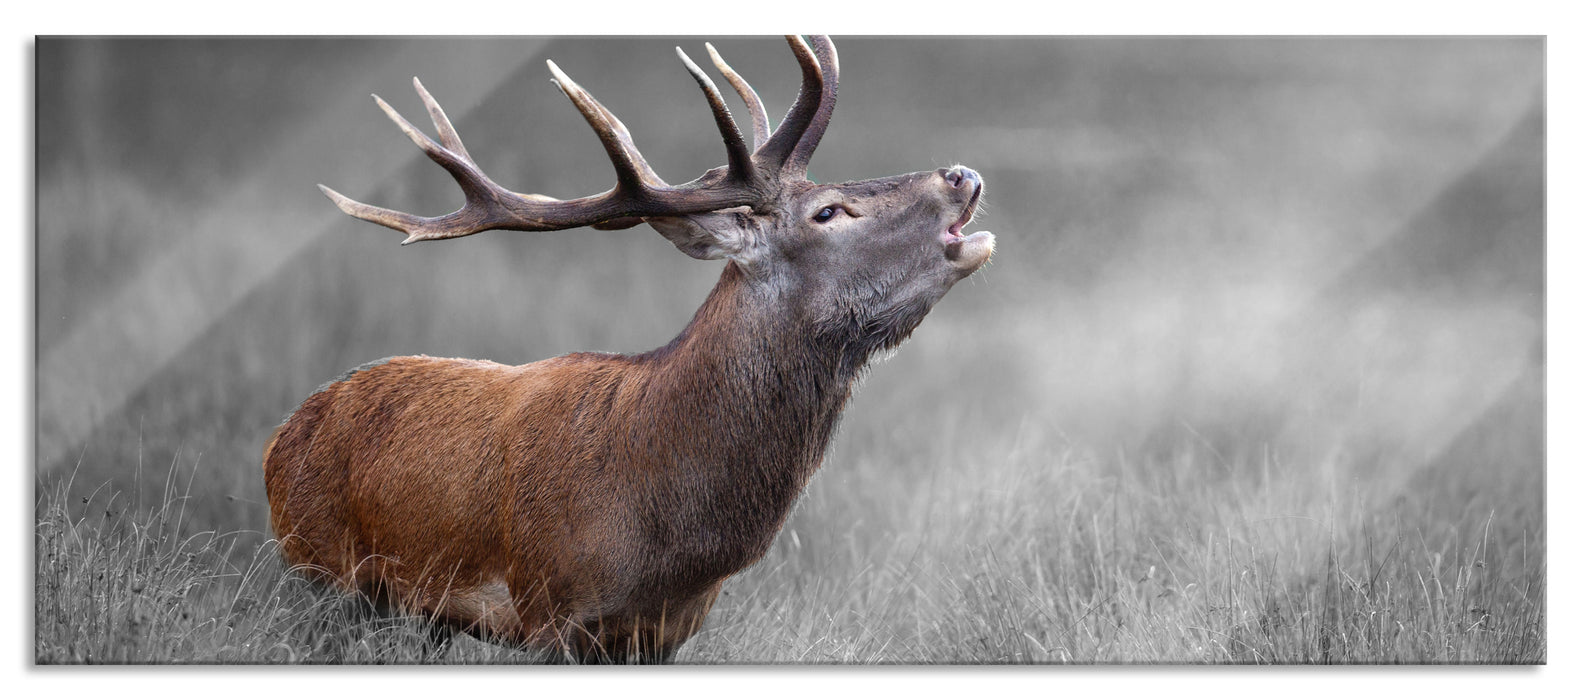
1021,551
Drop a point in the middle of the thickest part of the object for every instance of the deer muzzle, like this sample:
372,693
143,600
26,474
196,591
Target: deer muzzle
966,252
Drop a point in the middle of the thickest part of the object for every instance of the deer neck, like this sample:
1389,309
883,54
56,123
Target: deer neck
750,402
748,363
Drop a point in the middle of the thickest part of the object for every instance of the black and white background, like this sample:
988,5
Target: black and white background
1299,279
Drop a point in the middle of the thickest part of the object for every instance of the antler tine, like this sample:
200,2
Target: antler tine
824,49
459,167
631,170
625,138
772,156
389,218
447,133
739,158
755,106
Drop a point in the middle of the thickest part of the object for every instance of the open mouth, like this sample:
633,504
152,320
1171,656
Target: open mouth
967,253
966,214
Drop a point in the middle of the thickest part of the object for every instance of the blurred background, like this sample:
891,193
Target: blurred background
1330,250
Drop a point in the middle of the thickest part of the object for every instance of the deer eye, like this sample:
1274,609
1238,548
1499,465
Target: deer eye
825,214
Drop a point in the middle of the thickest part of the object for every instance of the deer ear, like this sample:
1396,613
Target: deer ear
709,236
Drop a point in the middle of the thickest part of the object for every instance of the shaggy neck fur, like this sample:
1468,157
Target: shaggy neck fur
751,398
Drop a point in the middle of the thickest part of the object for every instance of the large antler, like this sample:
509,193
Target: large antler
752,179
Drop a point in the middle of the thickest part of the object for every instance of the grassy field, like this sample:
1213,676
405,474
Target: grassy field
1038,554
1257,375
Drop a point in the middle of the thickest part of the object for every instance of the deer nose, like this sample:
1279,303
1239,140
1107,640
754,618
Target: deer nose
961,176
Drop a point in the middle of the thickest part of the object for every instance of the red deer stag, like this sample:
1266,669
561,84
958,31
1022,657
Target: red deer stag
592,505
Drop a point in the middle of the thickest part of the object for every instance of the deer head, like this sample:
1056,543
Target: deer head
867,259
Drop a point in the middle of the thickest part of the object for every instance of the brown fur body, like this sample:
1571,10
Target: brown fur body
611,484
